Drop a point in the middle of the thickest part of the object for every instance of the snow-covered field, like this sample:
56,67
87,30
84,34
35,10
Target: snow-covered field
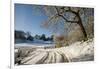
79,51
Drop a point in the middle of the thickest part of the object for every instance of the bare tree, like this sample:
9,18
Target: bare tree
71,15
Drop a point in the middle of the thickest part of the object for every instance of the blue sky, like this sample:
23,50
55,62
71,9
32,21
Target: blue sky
27,20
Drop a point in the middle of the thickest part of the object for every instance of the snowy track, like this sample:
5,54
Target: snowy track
79,51
43,57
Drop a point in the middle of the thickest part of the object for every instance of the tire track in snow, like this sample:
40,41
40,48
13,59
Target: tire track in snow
48,57
30,57
42,60
58,57
65,54
64,58
48,60
36,58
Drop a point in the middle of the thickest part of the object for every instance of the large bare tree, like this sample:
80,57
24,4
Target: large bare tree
71,15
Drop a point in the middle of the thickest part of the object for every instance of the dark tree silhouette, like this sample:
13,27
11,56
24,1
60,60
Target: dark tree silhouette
29,37
43,37
20,35
37,36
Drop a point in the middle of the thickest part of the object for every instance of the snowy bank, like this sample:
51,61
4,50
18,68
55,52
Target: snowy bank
79,51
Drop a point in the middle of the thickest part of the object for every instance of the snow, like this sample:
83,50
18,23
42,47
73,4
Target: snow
79,51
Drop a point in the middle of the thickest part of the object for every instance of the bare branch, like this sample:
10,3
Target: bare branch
46,23
68,20
63,16
57,10
52,17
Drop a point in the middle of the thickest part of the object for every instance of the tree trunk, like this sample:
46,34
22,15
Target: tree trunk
82,27
79,22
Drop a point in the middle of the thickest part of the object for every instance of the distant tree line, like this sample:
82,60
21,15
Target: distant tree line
23,36
27,36
43,37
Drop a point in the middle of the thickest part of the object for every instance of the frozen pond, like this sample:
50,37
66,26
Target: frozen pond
33,44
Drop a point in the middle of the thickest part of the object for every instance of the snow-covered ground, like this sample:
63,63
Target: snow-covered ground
79,51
